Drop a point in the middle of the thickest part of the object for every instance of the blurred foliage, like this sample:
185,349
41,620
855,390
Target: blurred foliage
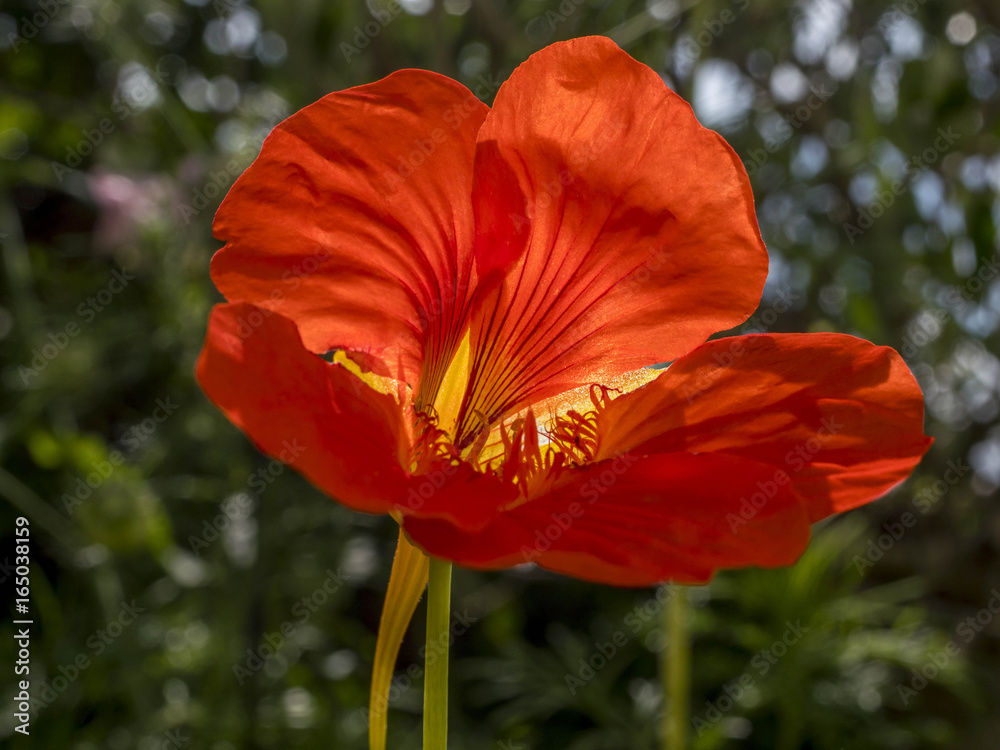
199,584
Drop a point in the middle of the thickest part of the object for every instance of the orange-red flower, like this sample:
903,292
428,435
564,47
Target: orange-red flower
449,312
492,285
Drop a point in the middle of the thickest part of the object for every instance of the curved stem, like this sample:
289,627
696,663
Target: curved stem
406,585
438,636
676,671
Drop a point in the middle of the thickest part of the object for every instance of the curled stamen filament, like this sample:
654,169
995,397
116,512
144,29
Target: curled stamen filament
578,435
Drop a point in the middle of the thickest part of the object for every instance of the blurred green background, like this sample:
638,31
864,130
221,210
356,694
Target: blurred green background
196,595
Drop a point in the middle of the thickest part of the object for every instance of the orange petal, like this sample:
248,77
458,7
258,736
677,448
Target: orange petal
355,222
348,439
624,231
406,585
841,417
636,520
318,417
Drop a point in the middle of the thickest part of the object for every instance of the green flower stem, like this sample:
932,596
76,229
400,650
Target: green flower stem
436,681
675,670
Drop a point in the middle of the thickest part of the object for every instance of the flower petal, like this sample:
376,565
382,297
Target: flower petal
619,224
355,222
351,441
318,417
843,418
637,520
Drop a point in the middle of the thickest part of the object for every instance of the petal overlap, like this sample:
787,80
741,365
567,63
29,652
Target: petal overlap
840,415
355,222
315,416
353,442
610,220
637,520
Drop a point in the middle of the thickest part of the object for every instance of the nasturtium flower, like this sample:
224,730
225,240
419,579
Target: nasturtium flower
454,310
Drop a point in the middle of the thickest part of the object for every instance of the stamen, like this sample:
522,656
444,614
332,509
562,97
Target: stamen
430,444
578,435
515,454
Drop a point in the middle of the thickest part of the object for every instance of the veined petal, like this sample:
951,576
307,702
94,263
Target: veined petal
355,222
616,222
841,418
351,441
406,585
636,520
347,439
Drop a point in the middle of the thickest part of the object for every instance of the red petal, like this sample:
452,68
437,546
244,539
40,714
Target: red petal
634,521
841,416
346,438
355,221
621,225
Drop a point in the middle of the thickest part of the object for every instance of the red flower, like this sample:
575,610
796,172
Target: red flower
486,277
468,264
